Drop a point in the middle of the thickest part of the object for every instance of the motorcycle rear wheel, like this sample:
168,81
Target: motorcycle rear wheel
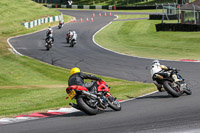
81,101
175,92
113,103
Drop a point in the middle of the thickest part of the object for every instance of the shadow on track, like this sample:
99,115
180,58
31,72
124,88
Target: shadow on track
80,113
155,97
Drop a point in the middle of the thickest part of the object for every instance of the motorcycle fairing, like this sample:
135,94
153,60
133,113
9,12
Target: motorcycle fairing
76,87
102,86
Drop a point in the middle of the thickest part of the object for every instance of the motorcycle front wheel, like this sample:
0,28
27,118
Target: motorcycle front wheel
113,103
174,91
83,103
72,43
47,47
188,91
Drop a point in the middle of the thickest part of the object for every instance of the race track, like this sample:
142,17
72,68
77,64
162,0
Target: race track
157,113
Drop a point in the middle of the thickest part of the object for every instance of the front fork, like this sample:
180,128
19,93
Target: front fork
178,86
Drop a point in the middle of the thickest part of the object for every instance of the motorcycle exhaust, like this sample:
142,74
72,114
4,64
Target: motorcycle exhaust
158,76
95,97
89,94
74,105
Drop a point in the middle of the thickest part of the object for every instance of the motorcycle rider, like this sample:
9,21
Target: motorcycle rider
71,35
61,22
50,36
49,31
77,78
157,68
68,35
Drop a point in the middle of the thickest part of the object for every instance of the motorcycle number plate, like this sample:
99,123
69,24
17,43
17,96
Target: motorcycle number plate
72,94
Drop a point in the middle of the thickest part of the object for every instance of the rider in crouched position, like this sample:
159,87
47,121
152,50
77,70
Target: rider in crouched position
77,78
158,69
50,36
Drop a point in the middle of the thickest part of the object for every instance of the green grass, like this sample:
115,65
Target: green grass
139,38
132,16
28,85
127,89
14,12
23,100
17,70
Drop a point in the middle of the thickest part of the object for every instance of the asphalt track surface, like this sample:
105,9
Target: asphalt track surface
156,113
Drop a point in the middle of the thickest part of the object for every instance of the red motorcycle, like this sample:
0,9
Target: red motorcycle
91,103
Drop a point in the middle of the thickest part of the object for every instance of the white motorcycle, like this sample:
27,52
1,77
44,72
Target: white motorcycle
71,38
171,81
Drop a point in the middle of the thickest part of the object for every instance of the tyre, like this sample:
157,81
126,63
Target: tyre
47,47
59,27
67,40
82,103
73,43
113,103
174,91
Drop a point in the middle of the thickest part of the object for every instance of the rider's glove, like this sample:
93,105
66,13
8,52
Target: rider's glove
99,79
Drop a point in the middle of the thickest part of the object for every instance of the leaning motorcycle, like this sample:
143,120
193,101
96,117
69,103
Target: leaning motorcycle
70,40
173,83
91,103
48,44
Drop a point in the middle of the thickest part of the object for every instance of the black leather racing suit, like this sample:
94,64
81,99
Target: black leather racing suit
78,79
49,38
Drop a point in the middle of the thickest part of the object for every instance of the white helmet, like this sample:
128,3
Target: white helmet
50,29
155,62
155,68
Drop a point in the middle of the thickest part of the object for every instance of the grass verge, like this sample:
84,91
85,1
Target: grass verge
139,38
28,85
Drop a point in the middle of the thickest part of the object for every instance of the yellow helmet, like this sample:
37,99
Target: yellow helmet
74,70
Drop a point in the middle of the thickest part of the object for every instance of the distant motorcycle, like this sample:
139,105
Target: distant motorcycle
174,87
60,25
91,103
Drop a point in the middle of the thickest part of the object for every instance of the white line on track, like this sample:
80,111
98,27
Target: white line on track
66,110
14,50
126,54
